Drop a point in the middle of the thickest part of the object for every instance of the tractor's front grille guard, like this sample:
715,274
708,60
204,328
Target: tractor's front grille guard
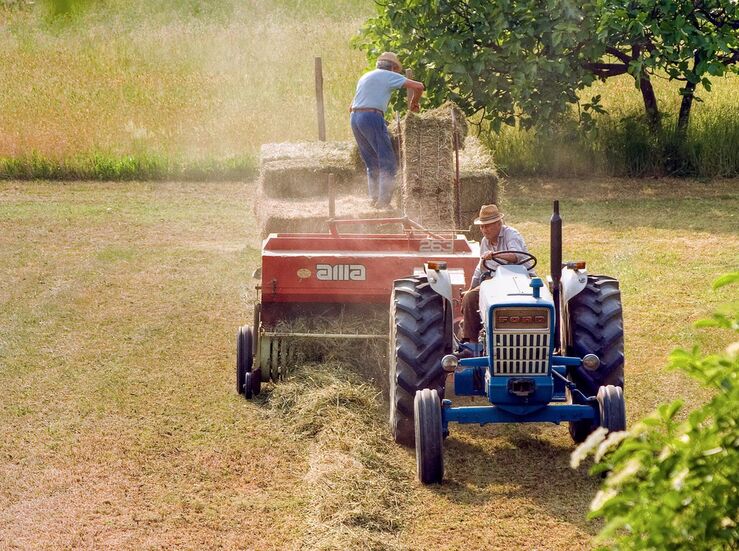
520,352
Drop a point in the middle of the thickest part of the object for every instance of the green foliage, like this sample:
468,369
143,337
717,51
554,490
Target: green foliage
530,60
671,484
144,166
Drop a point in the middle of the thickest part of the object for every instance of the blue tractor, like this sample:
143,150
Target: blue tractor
547,353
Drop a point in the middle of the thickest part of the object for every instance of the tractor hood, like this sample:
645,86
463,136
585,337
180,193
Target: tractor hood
511,285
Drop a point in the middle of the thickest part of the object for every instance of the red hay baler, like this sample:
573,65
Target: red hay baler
311,276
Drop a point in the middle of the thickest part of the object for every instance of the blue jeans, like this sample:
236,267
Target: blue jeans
376,151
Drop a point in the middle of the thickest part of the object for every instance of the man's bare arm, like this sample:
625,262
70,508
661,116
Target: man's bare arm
417,89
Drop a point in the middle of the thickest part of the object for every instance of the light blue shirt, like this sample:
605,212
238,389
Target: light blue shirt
374,89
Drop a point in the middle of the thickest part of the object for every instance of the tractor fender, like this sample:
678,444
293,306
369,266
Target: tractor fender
573,282
440,282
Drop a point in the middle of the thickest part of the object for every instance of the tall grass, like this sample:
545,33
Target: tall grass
621,143
157,86
194,81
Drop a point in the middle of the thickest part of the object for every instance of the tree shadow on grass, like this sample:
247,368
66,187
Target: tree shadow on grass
517,462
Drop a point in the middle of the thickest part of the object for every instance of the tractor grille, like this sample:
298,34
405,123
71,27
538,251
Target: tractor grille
521,354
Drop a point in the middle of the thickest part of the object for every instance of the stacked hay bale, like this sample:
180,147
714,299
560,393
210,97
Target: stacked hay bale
478,181
428,170
292,190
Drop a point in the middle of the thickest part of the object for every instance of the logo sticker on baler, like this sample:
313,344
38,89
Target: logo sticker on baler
304,273
341,272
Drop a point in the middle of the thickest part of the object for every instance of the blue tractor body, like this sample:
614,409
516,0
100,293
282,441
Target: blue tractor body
518,373
545,354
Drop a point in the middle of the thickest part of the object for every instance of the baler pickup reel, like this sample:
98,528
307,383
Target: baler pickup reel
318,290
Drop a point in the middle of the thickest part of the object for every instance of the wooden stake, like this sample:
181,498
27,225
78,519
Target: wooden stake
408,91
457,190
319,101
331,199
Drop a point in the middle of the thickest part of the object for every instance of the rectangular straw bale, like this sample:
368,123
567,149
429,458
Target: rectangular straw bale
478,179
428,169
477,175
275,215
307,178
331,153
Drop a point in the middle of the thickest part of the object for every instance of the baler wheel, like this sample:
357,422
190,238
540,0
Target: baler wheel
612,408
429,440
417,344
244,355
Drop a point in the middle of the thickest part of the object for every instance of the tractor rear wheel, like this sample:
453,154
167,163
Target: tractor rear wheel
596,327
416,348
429,440
612,408
244,355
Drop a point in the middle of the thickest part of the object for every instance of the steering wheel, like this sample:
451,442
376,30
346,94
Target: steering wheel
528,257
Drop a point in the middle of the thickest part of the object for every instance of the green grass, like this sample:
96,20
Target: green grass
120,426
132,89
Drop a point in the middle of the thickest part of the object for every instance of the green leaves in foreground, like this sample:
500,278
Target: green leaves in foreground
674,485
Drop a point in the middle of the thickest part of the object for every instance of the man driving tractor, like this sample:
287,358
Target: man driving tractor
497,242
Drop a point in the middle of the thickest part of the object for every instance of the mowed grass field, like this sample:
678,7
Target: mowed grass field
120,426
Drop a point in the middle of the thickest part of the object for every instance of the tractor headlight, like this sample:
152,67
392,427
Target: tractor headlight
449,363
591,362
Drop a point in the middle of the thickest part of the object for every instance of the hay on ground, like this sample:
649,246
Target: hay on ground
428,169
311,215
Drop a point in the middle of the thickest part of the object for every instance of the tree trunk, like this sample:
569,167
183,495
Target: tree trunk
684,117
650,103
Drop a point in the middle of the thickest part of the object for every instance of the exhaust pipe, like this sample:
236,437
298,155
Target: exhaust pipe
555,257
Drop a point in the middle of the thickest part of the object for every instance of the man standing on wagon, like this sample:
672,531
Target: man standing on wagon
370,130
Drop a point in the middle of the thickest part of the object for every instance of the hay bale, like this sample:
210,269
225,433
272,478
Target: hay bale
428,169
344,154
275,215
478,179
301,169
306,178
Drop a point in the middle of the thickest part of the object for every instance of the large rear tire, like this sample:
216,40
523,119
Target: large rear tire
416,348
429,440
596,327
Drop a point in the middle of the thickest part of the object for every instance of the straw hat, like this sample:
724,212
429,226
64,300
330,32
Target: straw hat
488,215
390,56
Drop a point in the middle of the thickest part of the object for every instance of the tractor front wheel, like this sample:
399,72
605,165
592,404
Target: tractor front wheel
612,408
416,348
429,440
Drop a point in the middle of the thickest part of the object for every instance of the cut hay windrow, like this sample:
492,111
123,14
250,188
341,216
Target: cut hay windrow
357,480
428,170
367,357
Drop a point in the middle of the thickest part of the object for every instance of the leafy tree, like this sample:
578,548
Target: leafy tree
675,485
688,40
533,58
